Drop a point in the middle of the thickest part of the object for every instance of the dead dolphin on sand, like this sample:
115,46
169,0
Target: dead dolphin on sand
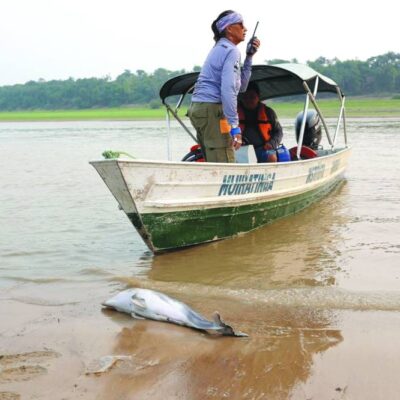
145,303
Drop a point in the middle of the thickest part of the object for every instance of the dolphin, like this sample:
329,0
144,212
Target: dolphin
149,304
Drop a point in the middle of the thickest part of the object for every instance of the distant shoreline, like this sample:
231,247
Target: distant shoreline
355,107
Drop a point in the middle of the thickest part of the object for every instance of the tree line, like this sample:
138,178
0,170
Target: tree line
376,76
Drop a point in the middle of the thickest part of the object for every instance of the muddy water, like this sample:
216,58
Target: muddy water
318,292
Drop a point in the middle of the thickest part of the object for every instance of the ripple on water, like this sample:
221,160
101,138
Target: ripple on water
329,298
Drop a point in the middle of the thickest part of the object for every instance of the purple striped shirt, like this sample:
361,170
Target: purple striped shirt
221,78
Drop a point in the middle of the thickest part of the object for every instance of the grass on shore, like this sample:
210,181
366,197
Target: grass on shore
82,115
355,107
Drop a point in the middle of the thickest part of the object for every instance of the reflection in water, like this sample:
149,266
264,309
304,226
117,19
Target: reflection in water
292,286
300,250
176,362
237,277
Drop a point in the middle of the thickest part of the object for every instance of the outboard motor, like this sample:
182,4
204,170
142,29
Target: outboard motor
312,131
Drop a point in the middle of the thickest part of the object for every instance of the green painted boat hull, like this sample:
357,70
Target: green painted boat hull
171,230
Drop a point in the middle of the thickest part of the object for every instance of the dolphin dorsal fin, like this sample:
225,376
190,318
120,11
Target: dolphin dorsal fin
217,319
138,302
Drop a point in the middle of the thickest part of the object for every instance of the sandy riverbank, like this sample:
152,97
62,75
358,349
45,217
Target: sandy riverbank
292,353
318,293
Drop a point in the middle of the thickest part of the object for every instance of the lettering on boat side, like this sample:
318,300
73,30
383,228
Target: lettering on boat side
315,173
234,185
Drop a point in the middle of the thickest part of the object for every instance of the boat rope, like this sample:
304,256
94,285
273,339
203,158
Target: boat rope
109,154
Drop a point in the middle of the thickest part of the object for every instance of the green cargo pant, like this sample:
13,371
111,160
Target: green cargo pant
212,132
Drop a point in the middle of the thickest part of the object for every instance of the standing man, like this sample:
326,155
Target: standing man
213,111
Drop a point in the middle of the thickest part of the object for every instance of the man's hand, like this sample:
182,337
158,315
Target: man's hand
236,135
268,146
252,46
237,141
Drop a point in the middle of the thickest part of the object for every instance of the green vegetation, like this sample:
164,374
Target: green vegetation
380,74
372,78
128,89
134,96
82,115
355,107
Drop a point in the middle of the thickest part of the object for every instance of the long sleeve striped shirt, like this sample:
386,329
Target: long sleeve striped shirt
221,79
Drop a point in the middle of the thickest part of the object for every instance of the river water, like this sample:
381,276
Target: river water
318,292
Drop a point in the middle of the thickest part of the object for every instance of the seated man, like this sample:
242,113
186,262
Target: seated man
259,124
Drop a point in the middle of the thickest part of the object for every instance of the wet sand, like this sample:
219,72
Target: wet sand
291,353
318,292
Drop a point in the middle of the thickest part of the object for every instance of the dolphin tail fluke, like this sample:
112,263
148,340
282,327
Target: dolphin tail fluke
226,330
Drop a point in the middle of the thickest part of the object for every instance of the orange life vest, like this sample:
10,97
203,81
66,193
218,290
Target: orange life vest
264,125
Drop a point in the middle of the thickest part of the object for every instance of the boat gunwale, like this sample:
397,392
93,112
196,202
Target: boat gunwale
209,165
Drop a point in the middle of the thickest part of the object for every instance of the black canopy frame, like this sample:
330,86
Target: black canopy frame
273,81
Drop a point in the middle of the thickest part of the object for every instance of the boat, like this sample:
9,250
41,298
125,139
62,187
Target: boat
176,204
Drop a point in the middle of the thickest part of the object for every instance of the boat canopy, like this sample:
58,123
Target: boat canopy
273,80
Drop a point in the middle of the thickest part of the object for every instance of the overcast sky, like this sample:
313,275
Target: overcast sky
58,39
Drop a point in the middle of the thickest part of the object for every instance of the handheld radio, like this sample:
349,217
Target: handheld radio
250,49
